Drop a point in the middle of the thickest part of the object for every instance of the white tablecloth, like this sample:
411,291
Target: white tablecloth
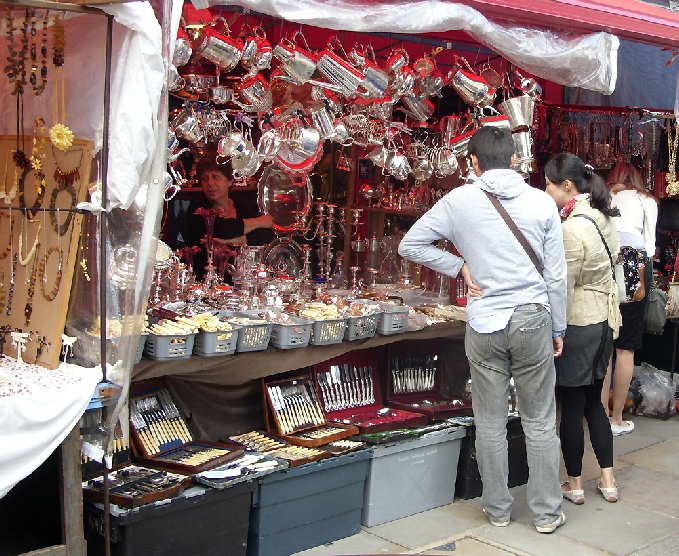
38,408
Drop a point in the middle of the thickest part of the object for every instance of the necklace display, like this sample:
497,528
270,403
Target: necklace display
24,261
672,144
66,182
38,156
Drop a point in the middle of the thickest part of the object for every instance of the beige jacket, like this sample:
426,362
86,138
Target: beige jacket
592,294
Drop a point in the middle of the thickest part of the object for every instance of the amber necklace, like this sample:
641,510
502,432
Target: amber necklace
28,308
672,144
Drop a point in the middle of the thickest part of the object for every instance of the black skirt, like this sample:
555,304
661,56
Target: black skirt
586,353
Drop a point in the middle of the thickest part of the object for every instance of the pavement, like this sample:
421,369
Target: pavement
644,521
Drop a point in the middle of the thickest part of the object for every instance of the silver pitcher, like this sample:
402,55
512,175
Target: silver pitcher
420,109
257,94
175,82
523,145
324,121
220,94
219,48
519,111
339,71
297,63
473,89
182,49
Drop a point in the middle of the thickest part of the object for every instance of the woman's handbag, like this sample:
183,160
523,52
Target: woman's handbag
629,275
656,314
628,270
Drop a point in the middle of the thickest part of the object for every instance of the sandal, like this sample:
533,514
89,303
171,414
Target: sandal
577,496
609,494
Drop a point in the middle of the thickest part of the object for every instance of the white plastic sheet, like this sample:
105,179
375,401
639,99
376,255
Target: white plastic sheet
587,61
34,423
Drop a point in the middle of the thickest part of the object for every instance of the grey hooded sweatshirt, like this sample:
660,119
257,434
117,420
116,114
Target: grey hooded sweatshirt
498,263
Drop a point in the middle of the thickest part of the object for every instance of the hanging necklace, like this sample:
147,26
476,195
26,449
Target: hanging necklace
38,89
69,177
2,289
12,193
28,308
61,136
38,156
10,293
672,144
8,249
24,261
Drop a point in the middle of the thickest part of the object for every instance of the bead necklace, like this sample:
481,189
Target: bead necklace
62,136
672,144
10,294
51,296
8,249
28,308
38,89
24,261
68,177
2,289
38,156
12,193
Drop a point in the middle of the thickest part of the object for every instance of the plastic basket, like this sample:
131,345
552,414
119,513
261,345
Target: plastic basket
288,336
222,342
164,348
393,320
140,347
329,331
361,327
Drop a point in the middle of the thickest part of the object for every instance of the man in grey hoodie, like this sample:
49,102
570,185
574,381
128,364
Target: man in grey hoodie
516,317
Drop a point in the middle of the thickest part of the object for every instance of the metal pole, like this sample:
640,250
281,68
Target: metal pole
103,264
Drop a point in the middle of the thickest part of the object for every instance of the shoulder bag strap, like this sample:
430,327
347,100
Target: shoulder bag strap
515,230
600,235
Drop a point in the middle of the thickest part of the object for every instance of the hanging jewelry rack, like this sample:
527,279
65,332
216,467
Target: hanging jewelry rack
103,216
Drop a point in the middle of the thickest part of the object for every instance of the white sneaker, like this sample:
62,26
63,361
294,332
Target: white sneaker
623,428
551,527
496,523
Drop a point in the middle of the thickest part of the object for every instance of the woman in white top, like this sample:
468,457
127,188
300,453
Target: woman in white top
636,229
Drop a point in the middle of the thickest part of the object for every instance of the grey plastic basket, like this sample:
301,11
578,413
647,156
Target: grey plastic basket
328,331
393,320
222,342
140,347
288,336
361,327
164,348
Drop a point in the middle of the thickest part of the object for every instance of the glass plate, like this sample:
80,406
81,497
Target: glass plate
284,256
282,196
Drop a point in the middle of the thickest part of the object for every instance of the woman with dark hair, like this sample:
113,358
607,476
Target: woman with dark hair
636,229
237,225
591,245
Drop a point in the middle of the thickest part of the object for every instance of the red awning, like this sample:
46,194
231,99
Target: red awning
627,19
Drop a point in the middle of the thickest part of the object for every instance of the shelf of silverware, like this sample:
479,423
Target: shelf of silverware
292,410
348,388
161,438
415,380
277,447
133,486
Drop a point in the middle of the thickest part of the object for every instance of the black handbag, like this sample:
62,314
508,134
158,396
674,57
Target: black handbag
656,314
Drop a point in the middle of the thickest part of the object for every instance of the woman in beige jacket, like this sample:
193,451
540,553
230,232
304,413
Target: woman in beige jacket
591,244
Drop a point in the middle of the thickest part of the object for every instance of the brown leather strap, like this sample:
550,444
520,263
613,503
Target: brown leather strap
515,230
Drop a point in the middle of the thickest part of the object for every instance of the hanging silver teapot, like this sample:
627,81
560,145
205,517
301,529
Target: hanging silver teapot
182,49
219,47
297,63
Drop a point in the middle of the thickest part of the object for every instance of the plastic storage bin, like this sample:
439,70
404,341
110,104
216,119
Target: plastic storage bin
308,506
201,520
361,327
412,476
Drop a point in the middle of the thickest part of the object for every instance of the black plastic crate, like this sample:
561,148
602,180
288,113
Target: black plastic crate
201,520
